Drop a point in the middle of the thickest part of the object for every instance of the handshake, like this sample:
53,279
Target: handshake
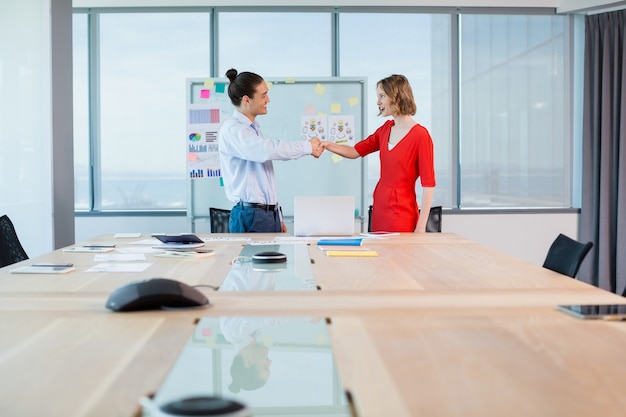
317,147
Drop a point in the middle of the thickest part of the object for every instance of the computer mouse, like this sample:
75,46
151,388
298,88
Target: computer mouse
205,406
269,257
154,294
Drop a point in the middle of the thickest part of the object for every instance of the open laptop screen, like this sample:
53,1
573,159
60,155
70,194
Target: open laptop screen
323,215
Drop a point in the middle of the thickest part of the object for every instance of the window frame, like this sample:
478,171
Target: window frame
574,111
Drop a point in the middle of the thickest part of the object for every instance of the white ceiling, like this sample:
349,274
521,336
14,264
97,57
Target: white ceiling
562,6
589,6
429,3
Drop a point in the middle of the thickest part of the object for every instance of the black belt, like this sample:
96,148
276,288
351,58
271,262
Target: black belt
266,207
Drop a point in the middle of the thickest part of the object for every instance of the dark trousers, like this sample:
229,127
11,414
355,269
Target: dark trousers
254,220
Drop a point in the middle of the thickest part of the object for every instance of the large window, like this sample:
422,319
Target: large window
275,44
143,61
494,91
515,126
423,56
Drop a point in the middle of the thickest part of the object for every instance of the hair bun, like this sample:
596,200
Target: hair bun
231,74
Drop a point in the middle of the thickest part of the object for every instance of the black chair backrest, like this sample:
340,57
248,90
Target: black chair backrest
219,220
566,255
11,250
434,219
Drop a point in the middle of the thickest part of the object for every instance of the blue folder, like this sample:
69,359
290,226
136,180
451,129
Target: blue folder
340,242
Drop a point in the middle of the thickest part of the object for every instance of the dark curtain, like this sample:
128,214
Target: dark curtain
603,212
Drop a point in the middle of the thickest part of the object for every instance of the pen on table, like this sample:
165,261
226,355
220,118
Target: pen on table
98,246
614,318
52,265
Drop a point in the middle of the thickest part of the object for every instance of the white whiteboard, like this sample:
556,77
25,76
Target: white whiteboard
291,101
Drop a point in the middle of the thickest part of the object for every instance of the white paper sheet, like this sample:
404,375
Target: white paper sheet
119,267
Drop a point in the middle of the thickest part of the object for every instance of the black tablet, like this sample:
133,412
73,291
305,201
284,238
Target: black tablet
184,239
596,311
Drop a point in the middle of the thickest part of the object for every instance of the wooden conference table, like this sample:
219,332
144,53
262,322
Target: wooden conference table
436,325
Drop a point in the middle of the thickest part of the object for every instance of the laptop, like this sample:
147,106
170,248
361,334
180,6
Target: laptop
323,215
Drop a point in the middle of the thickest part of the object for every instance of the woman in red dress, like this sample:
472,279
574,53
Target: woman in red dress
406,154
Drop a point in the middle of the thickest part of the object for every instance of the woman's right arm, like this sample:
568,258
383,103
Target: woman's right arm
343,150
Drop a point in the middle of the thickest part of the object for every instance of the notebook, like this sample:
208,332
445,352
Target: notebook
323,215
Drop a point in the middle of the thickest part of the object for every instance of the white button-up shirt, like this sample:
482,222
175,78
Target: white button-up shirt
246,160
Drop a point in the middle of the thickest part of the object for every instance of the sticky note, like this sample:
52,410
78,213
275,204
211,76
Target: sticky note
320,89
206,331
310,109
210,341
290,80
269,85
336,158
320,339
209,84
353,101
335,108
205,93
221,181
192,156
220,87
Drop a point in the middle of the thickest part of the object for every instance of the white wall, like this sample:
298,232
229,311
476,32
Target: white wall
525,236
25,121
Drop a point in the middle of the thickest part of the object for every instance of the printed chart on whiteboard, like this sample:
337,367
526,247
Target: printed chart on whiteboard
204,119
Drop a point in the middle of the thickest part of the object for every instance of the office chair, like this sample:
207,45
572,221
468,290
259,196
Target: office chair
219,220
432,226
566,255
434,220
11,250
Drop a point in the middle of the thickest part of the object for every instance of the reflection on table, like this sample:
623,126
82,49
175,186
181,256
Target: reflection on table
294,275
274,365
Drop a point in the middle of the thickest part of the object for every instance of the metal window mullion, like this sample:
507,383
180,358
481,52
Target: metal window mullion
334,47
214,42
455,74
95,165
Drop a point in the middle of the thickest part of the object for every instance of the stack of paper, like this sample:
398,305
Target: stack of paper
90,248
44,269
187,253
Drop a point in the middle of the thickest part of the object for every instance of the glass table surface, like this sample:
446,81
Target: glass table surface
295,274
275,366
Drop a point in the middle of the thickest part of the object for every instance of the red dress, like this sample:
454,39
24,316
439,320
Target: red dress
395,204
